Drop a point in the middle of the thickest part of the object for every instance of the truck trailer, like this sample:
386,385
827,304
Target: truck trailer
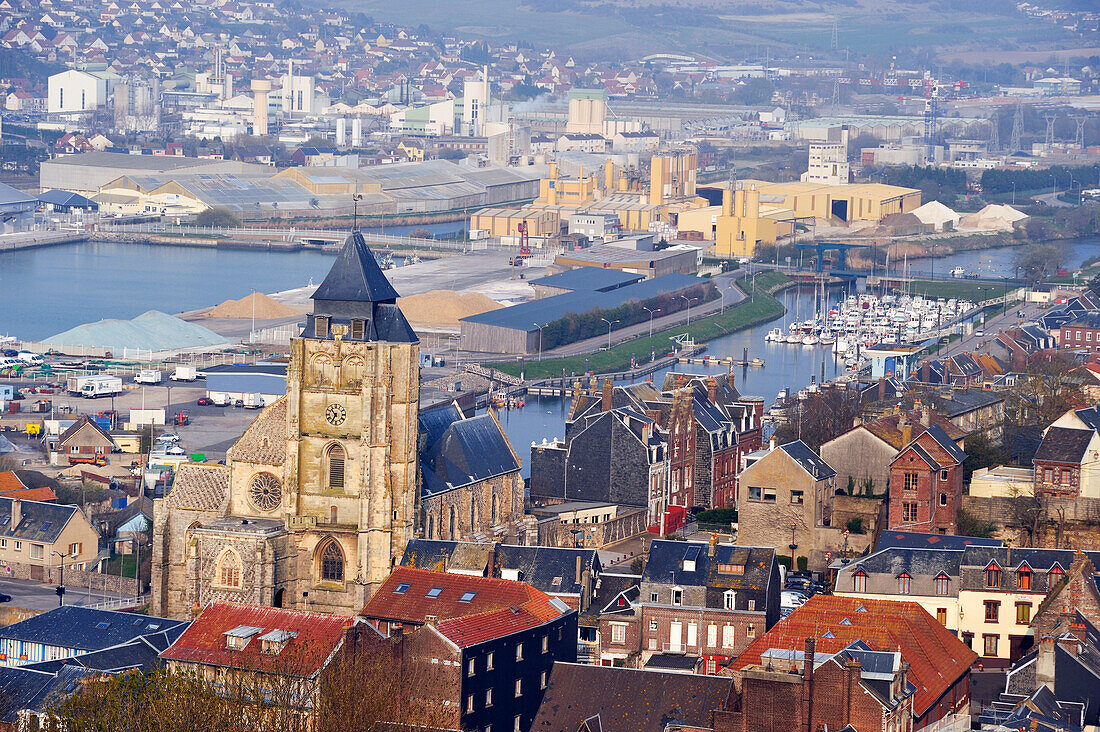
101,386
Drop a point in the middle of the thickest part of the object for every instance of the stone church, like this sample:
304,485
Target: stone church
321,493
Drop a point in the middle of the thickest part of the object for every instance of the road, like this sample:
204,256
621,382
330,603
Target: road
1050,199
975,342
31,595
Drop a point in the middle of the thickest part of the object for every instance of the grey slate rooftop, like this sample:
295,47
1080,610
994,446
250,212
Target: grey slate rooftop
86,629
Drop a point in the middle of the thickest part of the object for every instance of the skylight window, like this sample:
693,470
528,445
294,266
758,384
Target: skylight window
46,526
102,626
402,588
435,592
467,597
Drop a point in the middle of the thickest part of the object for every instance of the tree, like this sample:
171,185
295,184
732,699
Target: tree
825,415
218,217
754,92
1038,261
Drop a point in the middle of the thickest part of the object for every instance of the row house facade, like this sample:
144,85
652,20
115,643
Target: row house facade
1064,461
926,483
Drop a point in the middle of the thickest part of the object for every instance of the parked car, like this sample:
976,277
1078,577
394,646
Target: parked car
9,353
168,437
204,401
792,599
5,598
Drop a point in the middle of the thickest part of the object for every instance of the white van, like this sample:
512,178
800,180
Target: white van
29,358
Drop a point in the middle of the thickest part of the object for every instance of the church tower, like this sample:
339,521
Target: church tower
319,495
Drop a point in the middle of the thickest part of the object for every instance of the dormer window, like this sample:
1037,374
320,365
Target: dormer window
731,568
729,598
691,557
677,596
905,584
993,576
1055,575
942,585
273,642
357,329
320,326
1023,578
238,638
859,581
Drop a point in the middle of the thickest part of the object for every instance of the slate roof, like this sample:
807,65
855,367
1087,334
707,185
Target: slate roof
317,636
550,569
945,441
962,401
86,629
39,521
809,460
627,700
465,452
447,556
496,608
610,587
78,425
38,691
66,198
264,441
589,279
937,658
1009,558
199,487
1064,445
919,540
886,428
142,652
355,287
666,565
1090,416
914,562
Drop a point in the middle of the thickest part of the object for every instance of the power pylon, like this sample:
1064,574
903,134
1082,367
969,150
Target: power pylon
1016,142
1048,141
1079,135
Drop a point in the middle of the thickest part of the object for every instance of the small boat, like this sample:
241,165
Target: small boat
809,340
826,340
794,338
958,271
775,334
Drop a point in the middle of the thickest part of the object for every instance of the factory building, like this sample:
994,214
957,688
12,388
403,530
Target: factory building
78,91
255,385
87,173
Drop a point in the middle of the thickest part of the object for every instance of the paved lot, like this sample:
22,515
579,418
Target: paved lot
37,596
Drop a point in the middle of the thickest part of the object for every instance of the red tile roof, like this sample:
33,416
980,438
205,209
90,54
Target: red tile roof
937,658
498,607
318,636
44,494
9,481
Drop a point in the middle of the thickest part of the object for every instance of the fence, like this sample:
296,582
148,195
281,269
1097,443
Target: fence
121,603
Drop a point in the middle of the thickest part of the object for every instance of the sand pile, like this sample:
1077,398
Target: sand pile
266,308
444,308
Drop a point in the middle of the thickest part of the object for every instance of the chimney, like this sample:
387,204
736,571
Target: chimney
853,673
925,372
655,415
771,444
712,390
925,416
727,203
731,379
1044,663
605,396
808,683
906,430
579,573
586,589
881,388
712,545
16,513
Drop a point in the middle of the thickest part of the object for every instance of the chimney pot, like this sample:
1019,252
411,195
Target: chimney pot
16,513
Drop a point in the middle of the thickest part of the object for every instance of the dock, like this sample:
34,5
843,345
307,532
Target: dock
721,361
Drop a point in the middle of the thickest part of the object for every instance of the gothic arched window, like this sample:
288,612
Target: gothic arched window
334,460
452,534
227,571
332,562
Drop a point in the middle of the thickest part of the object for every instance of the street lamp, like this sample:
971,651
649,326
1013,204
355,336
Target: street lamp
792,546
60,589
689,302
540,327
609,324
651,312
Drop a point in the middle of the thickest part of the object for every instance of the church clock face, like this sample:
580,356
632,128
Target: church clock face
335,415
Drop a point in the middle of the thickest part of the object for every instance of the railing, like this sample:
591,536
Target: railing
119,603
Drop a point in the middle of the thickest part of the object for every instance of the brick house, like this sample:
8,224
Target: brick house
926,481
704,600
1082,333
786,496
1061,460
864,453
938,666
492,642
1077,594
856,688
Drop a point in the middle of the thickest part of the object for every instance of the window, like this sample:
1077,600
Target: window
1023,579
470,704
993,576
332,562
797,498
905,583
519,651
989,645
1067,475
335,456
618,634
489,666
470,667
769,495
489,697
731,568
76,549
402,588
435,592
3,543
1023,613
752,604
756,494
712,635
942,584
727,636
320,326
1054,576
677,596
653,597
859,582
653,625
730,599
910,481
37,551
943,475
1048,475
909,512
357,329
943,499
18,546
469,597
542,680
941,615
545,643
992,610
519,687
228,572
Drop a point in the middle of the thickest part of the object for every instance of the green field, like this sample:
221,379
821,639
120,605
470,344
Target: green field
959,289
738,317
